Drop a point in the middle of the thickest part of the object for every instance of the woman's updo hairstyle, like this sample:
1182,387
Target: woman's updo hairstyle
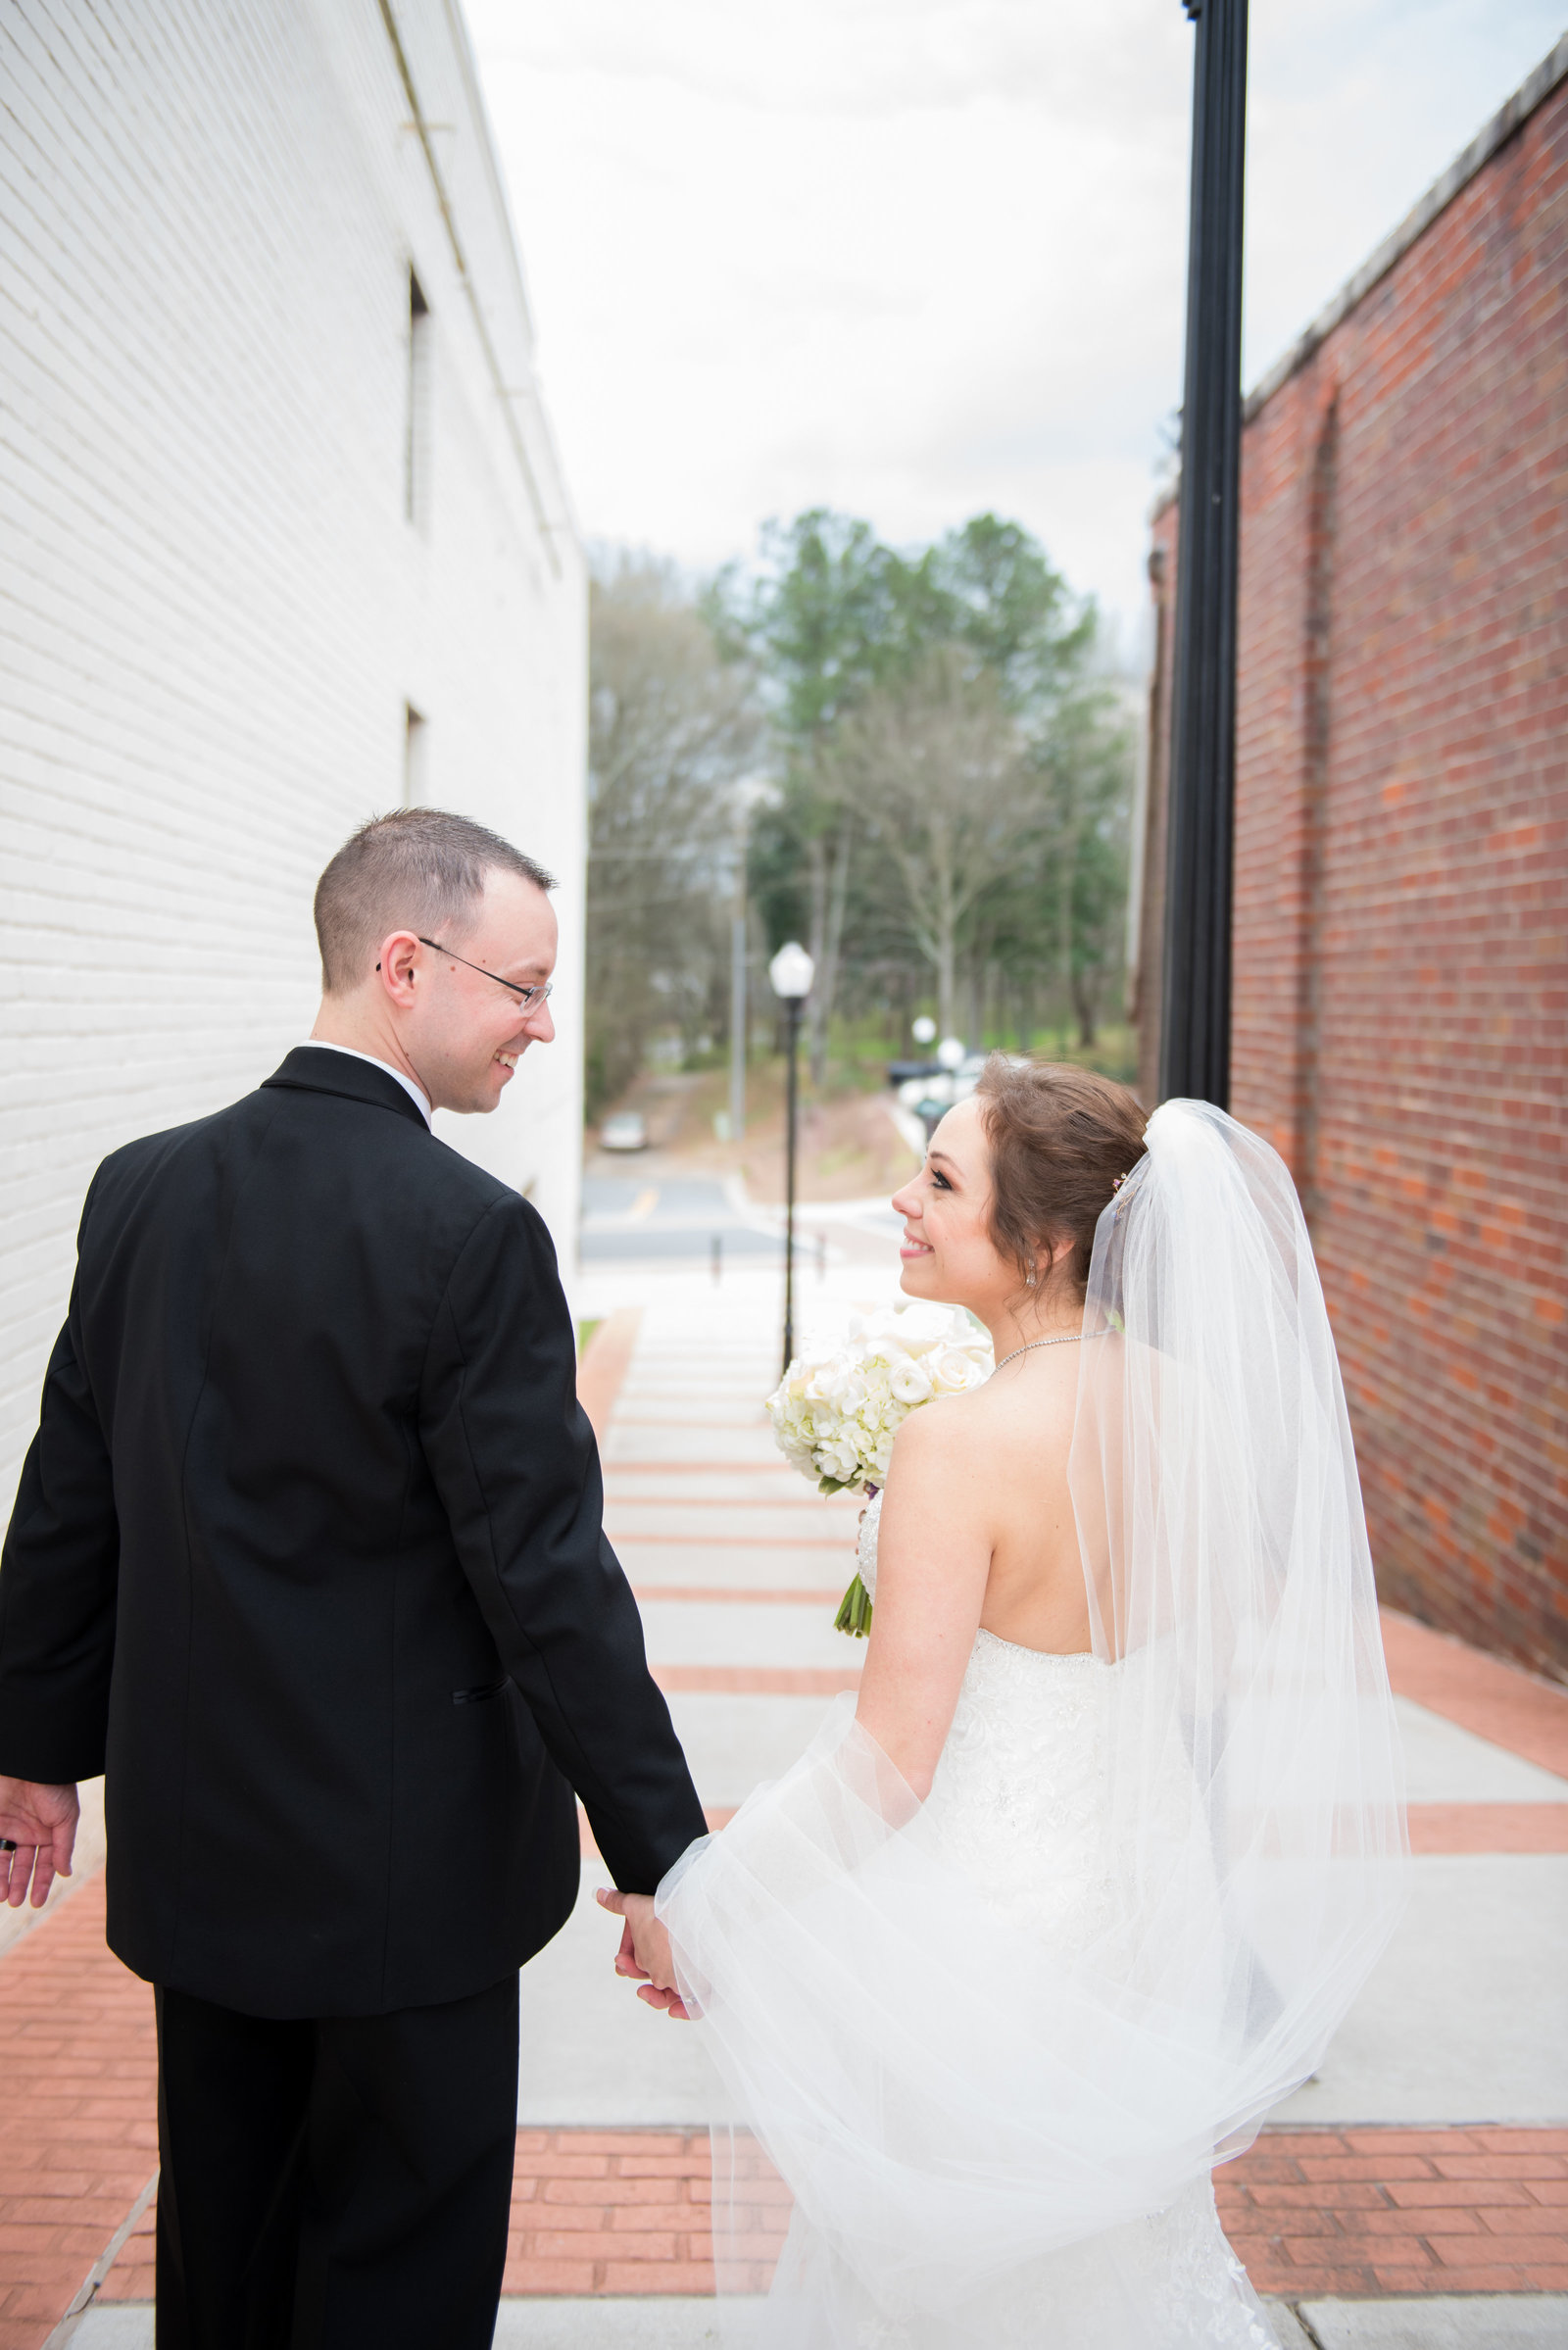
1060,1138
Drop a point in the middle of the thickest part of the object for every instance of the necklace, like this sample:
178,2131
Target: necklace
1071,1340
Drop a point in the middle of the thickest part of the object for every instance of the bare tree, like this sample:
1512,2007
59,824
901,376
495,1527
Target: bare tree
672,730
934,767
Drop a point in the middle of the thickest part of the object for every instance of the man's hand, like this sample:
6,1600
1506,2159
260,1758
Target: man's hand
644,1955
41,1823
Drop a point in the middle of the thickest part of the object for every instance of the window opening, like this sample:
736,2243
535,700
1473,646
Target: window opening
417,435
416,753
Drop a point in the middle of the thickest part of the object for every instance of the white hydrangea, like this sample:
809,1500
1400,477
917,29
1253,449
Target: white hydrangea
835,1415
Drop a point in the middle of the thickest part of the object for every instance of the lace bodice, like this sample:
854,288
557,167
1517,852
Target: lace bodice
1017,1800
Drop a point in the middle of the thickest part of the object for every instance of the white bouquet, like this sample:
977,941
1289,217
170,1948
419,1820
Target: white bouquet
835,1415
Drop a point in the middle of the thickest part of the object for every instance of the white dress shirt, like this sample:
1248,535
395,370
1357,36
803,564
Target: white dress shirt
319,1044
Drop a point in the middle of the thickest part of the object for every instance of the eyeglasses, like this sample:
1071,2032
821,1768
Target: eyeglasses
529,997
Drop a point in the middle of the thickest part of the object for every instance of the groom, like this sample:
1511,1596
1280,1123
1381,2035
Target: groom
307,1555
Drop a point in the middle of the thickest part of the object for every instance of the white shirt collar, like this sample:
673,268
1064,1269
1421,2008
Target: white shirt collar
416,1093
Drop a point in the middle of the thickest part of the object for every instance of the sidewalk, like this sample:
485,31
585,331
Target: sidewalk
1413,2195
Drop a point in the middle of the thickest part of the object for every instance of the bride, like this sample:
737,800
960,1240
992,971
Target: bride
1043,1923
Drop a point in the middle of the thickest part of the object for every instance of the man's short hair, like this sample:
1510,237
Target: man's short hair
422,869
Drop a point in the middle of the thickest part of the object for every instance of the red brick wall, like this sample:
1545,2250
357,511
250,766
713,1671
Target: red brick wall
1401,879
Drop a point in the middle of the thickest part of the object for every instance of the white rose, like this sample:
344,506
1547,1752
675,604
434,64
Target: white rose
910,1384
835,1414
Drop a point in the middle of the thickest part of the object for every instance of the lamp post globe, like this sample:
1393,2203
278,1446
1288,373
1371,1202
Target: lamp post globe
924,1029
951,1053
791,973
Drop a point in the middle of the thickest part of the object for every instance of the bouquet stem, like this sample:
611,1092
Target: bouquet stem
855,1611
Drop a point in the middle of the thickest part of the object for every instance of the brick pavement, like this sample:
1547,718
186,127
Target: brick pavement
760,1681
78,2065
1489,1827
1350,2214
609,2211
622,2212
1360,2213
1483,1695
711,1594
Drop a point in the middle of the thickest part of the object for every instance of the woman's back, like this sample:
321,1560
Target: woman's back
1021,1426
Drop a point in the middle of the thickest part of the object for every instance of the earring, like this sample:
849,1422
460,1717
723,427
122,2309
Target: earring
1029,1281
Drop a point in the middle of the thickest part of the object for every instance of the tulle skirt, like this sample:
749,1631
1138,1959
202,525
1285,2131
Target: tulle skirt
1165,2281
977,2137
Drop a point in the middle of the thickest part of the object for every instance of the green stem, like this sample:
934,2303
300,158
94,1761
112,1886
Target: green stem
855,1611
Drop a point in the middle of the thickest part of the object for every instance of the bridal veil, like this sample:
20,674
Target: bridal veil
949,2097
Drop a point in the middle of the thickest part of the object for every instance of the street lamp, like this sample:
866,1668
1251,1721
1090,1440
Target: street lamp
952,1053
923,1030
1196,995
791,972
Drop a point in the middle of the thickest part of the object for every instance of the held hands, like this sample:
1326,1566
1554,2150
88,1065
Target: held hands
41,1823
644,1955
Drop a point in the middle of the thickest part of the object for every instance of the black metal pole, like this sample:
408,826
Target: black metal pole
793,1007
1196,1005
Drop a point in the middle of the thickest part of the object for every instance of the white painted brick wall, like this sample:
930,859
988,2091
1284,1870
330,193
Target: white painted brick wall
212,611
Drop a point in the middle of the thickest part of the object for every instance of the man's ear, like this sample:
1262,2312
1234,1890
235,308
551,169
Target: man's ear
397,967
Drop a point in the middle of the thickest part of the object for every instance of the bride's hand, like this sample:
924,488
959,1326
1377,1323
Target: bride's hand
645,1954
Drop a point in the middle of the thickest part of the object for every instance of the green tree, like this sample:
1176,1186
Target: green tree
991,586
820,619
876,666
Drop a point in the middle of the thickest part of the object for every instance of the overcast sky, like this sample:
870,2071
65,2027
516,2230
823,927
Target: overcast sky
919,257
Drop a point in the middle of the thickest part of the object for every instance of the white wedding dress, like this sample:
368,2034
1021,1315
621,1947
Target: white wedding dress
993,2044
1017,1808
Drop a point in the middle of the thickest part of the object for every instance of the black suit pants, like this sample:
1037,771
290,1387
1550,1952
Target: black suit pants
328,2185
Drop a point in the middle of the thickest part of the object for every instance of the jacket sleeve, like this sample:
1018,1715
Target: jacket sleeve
515,1465
59,1577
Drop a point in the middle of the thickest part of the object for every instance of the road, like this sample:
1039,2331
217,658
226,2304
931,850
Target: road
651,1217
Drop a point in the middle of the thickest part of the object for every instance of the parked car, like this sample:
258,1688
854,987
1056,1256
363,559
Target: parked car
627,1130
932,1089
940,1088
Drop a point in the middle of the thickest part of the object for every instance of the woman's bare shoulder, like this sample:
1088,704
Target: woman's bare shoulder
985,1426
938,1428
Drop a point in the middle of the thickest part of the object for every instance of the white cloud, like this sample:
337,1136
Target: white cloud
914,258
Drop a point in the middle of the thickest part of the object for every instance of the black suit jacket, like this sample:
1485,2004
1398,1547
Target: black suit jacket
307,1554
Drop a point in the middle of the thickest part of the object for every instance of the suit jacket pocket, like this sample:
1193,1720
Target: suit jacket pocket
491,1689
